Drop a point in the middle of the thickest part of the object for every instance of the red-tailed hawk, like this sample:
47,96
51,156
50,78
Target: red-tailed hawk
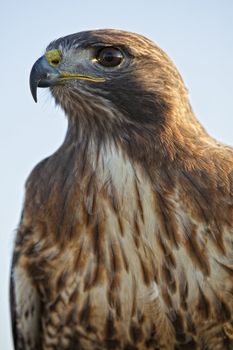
126,236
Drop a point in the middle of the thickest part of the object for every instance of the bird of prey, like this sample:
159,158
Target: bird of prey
126,236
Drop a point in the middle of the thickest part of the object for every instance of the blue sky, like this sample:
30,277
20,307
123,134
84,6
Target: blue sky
196,34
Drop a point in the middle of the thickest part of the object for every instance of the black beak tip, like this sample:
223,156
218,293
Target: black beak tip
33,88
33,82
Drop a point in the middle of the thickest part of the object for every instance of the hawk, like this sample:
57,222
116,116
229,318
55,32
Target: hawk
126,236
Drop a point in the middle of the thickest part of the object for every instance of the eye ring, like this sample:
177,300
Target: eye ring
109,56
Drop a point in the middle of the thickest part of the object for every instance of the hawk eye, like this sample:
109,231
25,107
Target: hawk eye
109,56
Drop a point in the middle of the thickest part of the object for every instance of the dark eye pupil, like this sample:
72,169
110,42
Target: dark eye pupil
109,57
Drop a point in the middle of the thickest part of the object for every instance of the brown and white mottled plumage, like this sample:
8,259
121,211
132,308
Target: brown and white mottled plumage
126,237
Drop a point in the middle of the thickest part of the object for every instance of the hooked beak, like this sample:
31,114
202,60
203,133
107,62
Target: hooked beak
42,75
45,74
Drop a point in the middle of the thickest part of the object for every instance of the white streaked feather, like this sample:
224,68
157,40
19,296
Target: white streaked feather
27,308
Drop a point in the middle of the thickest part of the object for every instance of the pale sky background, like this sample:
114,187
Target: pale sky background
196,34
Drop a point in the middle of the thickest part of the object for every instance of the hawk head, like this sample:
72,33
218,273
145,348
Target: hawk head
118,85
125,69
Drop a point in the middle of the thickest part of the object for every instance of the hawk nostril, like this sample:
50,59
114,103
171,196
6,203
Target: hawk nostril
55,62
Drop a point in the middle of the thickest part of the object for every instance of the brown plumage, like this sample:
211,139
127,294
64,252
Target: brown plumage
125,240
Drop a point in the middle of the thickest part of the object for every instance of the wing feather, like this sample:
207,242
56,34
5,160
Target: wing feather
25,310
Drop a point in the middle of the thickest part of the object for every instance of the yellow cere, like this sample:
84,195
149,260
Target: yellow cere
53,57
